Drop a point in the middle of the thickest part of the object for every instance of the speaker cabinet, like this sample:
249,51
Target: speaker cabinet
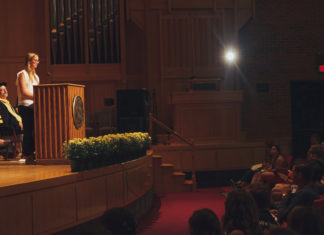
132,110
132,124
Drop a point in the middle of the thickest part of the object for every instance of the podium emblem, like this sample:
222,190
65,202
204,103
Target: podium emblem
77,111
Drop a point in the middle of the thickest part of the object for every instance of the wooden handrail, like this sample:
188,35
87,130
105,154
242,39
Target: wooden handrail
161,124
190,143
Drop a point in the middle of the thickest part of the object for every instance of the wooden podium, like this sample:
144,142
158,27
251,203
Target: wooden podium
59,116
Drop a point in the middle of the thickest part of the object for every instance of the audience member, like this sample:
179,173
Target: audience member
261,194
306,221
315,139
280,189
318,174
305,194
317,152
241,214
119,221
281,231
247,177
204,222
276,172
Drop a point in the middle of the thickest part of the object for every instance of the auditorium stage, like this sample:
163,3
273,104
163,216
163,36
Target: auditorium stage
44,199
13,172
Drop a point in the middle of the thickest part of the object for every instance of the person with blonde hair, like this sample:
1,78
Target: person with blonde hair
26,80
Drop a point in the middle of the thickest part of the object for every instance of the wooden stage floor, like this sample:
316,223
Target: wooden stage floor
13,172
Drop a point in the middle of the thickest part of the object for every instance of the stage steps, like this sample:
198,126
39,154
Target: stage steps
167,180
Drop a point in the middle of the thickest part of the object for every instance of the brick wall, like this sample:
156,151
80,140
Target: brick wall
278,46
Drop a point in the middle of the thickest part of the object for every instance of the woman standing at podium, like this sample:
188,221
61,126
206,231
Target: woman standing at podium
26,79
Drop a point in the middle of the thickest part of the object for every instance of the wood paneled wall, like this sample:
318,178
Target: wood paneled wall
22,30
207,115
24,27
191,45
167,42
185,39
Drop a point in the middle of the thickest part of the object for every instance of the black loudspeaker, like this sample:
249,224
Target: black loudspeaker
132,110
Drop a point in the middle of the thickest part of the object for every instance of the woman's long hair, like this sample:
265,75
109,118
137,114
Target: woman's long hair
31,72
241,213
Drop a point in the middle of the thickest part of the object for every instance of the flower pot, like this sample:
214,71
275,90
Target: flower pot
91,164
98,161
75,165
83,164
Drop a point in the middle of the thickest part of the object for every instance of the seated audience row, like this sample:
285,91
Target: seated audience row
244,216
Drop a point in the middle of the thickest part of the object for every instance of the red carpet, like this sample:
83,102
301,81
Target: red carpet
170,213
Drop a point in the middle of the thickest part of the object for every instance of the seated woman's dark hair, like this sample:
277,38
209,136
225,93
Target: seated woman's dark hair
241,213
282,231
277,147
204,221
119,221
306,220
317,169
261,194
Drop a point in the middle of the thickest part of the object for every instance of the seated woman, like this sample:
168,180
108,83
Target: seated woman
247,177
273,163
274,173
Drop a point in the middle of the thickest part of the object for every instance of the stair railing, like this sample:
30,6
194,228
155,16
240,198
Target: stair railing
189,142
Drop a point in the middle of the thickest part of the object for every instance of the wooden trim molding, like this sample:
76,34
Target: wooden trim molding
197,97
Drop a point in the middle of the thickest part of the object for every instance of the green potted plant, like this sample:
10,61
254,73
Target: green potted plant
88,153
73,151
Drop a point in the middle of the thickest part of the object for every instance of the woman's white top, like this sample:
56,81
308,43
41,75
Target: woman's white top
22,100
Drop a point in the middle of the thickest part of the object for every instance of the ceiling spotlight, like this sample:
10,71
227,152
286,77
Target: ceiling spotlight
230,56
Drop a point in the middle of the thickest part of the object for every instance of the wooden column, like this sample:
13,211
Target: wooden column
57,118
